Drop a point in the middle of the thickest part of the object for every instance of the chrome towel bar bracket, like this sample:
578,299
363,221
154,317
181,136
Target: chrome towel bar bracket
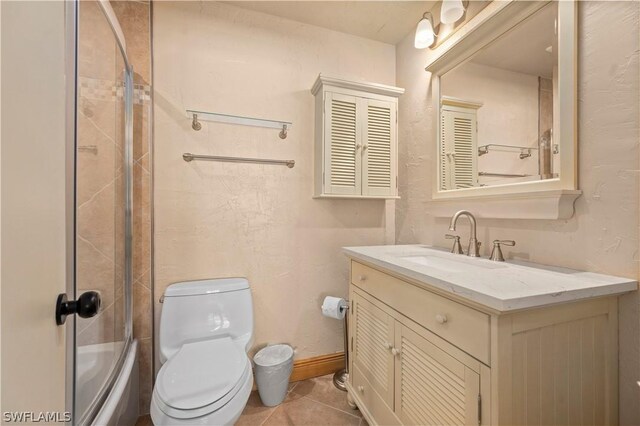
195,124
188,157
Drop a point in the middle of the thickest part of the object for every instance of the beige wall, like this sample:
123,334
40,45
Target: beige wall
257,221
603,234
33,205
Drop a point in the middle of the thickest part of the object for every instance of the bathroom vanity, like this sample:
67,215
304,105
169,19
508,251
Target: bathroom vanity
438,338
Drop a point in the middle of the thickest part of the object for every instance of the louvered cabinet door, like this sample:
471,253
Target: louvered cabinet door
379,148
432,387
343,159
372,342
458,149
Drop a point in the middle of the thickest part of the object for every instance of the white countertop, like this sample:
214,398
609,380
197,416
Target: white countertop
502,286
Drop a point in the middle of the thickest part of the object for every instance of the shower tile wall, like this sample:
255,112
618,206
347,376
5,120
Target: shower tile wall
134,17
100,195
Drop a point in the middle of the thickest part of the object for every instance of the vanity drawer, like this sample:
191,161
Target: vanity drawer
461,325
370,402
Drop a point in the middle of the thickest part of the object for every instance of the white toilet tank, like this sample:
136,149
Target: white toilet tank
204,309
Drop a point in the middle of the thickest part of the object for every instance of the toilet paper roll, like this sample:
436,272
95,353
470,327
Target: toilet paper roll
334,307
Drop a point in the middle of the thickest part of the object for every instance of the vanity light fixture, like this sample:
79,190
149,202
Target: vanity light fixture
425,35
451,11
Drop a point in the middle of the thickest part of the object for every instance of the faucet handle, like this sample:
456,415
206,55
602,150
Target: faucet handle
496,253
457,248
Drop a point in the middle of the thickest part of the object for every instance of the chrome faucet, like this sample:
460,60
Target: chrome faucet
457,248
474,245
496,253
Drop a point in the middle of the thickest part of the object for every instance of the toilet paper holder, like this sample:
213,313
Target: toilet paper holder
341,377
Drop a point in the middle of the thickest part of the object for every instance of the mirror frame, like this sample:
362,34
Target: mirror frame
497,19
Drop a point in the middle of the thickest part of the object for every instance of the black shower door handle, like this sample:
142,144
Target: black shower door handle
87,306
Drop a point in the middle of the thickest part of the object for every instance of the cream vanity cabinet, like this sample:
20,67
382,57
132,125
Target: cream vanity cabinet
355,139
420,357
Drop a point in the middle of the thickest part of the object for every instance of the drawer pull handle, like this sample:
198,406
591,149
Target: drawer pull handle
395,351
361,389
441,318
362,277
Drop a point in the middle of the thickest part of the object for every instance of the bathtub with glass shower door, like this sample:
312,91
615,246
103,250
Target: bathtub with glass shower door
103,354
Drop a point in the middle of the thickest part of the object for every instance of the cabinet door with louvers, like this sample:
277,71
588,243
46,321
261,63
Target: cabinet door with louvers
432,387
343,161
373,330
379,175
458,148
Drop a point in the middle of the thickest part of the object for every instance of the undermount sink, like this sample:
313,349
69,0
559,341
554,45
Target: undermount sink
451,263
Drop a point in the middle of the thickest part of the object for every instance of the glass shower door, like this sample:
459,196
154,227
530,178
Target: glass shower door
103,186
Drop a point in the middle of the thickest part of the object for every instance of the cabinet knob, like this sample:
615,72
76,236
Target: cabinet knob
362,277
388,345
358,146
395,351
441,318
365,147
361,389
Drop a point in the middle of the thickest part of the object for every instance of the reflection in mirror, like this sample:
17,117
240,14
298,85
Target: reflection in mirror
497,109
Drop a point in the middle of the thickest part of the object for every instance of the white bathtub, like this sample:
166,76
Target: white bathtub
94,363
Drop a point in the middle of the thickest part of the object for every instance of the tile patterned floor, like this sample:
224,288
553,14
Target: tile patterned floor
308,403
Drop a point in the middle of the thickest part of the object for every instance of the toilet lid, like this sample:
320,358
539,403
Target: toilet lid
201,373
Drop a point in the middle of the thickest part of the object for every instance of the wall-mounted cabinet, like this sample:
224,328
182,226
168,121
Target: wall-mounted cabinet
356,139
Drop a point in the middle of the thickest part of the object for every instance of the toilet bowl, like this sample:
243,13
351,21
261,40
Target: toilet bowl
206,328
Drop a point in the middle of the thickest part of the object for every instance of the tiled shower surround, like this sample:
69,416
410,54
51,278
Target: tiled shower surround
100,192
100,183
135,19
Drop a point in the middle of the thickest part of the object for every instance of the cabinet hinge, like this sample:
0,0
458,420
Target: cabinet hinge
351,343
479,409
323,180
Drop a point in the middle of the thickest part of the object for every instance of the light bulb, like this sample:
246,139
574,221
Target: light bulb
451,11
424,34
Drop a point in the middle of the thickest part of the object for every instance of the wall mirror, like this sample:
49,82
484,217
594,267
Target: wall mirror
496,109
505,94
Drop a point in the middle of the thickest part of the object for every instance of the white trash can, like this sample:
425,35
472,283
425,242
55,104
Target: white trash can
273,369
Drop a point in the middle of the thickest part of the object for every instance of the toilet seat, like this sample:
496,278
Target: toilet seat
201,378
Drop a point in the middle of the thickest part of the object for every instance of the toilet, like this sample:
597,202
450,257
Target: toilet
206,328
